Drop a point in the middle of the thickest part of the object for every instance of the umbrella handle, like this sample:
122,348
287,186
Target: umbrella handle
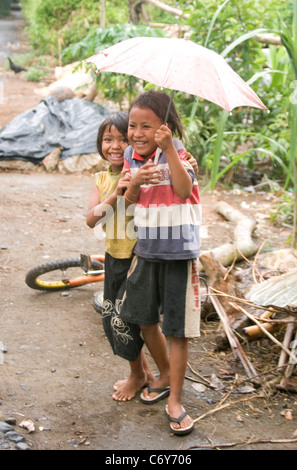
159,151
169,106
157,155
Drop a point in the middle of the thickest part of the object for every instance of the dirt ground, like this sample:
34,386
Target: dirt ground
58,369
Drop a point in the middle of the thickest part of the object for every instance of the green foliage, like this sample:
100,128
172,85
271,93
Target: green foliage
100,39
5,8
67,20
35,75
282,213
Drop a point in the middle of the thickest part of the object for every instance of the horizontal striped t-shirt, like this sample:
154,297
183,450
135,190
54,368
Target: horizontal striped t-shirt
167,225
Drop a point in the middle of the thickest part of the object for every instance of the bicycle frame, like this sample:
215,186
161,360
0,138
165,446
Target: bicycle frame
91,265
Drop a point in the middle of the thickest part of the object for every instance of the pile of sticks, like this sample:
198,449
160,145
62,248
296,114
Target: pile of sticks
235,317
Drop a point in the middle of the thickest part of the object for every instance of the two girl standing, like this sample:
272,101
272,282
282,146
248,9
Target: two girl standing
162,275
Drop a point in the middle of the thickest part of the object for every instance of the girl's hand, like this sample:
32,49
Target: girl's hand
193,163
163,137
123,182
147,174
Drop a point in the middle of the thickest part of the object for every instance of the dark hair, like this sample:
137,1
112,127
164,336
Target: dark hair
119,121
158,102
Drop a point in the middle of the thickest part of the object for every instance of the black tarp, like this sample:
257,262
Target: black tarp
72,124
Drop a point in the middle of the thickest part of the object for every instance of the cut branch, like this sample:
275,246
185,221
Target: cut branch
227,405
234,343
251,317
167,8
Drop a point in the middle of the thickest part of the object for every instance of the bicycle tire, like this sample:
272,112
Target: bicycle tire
34,281
98,302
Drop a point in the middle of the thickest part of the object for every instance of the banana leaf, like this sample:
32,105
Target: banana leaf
279,291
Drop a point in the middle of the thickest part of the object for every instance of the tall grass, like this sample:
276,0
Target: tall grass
289,40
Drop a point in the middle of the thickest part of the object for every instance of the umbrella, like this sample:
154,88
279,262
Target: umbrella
179,64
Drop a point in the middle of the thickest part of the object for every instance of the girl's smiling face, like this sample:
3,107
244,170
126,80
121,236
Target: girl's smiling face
143,124
114,144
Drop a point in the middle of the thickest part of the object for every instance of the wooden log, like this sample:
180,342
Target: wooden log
243,244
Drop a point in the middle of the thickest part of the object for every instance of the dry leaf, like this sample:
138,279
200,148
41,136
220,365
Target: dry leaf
199,387
216,383
289,415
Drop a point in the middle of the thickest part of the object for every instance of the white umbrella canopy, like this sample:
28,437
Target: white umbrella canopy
179,64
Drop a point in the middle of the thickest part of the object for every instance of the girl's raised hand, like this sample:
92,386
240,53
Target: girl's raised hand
147,174
163,137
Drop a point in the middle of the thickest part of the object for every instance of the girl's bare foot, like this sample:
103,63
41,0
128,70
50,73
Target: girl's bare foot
121,383
127,389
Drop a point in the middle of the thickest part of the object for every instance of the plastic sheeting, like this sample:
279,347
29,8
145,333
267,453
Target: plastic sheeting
72,124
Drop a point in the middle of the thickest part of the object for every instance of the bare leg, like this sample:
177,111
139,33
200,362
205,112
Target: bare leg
156,344
178,364
140,376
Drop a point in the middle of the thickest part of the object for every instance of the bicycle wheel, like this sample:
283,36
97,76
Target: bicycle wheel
98,302
63,274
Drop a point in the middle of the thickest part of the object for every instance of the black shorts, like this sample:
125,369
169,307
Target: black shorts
159,287
124,338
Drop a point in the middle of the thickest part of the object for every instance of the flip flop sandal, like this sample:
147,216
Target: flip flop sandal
179,431
162,393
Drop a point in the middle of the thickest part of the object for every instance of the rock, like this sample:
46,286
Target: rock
5,427
10,421
51,161
14,436
62,93
10,439
90,162
22,446
4,444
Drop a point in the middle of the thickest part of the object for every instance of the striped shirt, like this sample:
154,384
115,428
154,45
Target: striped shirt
167,225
